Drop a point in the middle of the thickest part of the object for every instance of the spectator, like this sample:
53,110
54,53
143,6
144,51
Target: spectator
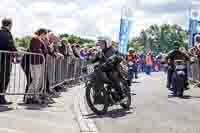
149,62
84,54
55,44
197,46
154,64
132,57
64,65
7,44
77,69
70,60
196,51
141,63
55,64
60,51
157,63
25,64
69,50
76,50
36,68
90,53
49,44
63,47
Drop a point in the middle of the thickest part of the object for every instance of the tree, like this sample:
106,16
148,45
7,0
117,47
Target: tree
78,40
65,35
159,38
23,42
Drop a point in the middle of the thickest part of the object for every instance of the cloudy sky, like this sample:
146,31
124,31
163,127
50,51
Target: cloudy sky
90,17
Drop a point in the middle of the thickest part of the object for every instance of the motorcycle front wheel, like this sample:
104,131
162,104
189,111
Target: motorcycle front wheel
95,101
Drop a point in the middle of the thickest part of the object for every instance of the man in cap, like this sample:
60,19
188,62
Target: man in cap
6,44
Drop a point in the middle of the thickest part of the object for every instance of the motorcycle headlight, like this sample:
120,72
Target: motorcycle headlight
181,73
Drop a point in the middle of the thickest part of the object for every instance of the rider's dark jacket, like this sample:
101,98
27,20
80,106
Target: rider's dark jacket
109,54
177,55
171,57
104,55
108,59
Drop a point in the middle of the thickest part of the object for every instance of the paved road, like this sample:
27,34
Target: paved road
153,111
56,118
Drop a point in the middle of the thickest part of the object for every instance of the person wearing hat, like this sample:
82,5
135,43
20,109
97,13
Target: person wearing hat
173,55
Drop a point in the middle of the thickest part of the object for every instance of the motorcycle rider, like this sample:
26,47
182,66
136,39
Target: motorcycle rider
176,54
107,54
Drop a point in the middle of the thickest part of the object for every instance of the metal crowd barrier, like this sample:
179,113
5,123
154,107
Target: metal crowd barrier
15,73
64,70
194,71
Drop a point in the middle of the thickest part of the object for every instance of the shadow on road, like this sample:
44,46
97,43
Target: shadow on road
133,94
60,89
116,113
190,97
171,96
185,97
34,106
5,108
136,82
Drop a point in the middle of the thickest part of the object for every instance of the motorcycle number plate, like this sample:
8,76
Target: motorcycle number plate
130,68
180,67
130,63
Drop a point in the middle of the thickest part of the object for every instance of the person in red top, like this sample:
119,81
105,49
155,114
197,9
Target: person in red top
132,56
132,64
149,62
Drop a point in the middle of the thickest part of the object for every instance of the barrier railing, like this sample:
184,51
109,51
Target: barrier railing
194,71
63,70
16,69
32,74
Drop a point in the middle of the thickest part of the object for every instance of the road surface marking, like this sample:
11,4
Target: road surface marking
8,130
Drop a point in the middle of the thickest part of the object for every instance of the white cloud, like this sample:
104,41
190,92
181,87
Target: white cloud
158,2
90,18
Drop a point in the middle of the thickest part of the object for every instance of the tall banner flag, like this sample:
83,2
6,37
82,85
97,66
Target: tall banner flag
125,26
194,25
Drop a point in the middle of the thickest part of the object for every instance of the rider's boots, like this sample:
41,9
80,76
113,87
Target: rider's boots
129,82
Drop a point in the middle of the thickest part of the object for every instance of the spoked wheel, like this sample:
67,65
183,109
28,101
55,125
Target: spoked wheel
126,103
97,101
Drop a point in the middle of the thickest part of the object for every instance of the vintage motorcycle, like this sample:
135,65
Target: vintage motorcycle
100,92
179,77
